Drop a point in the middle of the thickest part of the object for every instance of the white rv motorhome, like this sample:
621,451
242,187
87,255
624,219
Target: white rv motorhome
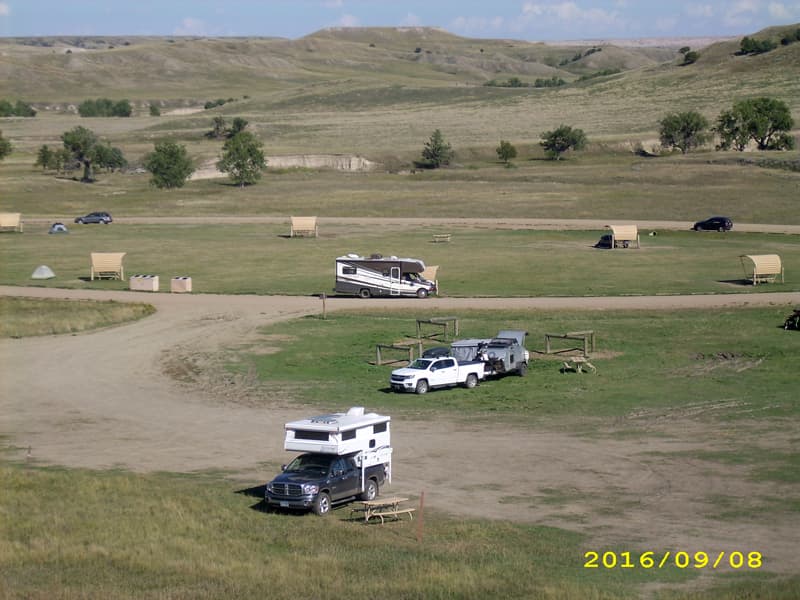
378,275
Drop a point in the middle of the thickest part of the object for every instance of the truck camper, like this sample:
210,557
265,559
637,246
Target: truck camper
345,456
378,275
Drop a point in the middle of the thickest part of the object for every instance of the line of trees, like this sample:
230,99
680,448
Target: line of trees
765,121
105,107
18,109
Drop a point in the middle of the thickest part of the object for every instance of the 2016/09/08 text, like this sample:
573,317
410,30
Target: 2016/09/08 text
683,560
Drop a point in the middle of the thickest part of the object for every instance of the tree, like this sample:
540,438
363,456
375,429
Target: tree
690,58
686,130
218,128
5,147
45,157
506,151
169,164
766,121
155,111
243,159
109,158
436,152
558,141
81,144
239,124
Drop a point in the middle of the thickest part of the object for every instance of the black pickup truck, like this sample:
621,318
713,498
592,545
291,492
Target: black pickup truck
318,481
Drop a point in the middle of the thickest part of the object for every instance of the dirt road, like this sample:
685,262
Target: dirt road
102,400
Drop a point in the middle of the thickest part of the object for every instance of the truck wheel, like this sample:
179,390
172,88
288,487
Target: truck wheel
364,293
523,369
422,293
370,490
422,386
472,381
322,504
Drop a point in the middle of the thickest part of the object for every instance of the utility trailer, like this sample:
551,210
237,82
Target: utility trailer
379,275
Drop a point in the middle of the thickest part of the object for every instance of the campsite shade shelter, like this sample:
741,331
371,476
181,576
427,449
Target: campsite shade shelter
624,235
762,268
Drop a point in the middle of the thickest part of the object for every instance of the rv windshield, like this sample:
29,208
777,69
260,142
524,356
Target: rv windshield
421,364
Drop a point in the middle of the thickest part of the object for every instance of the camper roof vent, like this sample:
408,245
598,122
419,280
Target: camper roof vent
376,255
356,411
352,255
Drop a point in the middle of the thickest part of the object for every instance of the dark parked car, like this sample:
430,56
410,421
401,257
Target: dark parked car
95,217
714,224
436,352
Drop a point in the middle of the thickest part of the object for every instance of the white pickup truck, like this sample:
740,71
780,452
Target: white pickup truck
426,373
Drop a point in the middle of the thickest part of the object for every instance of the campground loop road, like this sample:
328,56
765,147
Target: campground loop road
494,223
102,399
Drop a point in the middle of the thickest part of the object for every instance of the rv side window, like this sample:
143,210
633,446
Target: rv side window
319,436
379,428
349,270
349,435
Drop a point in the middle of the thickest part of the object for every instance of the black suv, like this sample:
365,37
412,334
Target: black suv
714,224
95,217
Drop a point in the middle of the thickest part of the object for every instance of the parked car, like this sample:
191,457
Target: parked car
95,217
436,352
714,224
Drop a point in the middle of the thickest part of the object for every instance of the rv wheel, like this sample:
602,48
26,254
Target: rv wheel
422,293
364,293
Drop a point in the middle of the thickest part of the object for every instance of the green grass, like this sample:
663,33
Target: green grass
24,317
261,259
725,364
112,534
117,535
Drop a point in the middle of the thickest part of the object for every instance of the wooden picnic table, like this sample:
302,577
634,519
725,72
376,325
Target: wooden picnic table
380,508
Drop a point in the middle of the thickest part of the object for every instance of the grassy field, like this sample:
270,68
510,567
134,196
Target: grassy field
650,360
24,317
606,184
262,258
110,534
77,534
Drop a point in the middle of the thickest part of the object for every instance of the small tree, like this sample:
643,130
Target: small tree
685,130
44,158
5,147
436,152
170,165
155,111
560,140
243,159
239,124
81,142
506,151
218,128
690,58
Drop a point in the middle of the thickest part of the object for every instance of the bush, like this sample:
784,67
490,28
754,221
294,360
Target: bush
104,107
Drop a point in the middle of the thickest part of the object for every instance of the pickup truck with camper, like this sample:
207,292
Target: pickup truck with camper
346,456
425,374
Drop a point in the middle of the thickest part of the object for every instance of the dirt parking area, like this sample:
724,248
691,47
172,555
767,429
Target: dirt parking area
103,399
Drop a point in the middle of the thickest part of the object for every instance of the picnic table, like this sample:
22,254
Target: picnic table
381,508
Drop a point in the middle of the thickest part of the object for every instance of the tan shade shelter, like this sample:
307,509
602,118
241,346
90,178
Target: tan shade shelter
762,268
11,221
304,226
624,236
107,265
